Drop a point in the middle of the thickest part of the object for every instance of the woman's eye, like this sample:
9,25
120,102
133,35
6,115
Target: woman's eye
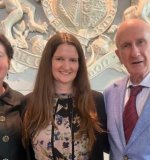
59,59
74,60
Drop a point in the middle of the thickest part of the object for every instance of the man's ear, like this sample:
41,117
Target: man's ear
118,55
8,64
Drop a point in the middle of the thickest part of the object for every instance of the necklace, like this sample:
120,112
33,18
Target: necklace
72,132
64,96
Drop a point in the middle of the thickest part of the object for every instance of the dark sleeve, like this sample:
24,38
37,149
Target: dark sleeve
24,103
101,145
28,147
30,152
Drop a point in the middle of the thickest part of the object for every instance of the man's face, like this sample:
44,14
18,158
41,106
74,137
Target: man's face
134,49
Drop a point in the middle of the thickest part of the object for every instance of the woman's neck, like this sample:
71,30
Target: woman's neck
63,89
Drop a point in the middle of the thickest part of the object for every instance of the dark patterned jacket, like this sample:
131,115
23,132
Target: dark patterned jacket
11,125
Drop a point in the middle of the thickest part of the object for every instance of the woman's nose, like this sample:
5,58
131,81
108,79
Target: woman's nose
66,64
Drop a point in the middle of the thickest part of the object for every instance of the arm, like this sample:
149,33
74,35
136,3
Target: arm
30,152
102,139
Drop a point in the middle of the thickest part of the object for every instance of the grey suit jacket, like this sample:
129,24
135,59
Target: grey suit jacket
138,147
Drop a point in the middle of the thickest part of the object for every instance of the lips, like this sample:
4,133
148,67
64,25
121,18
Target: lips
137,62
65,73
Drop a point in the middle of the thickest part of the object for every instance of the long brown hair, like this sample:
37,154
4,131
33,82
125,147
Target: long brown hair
40,107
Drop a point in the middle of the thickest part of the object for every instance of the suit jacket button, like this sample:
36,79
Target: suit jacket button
2,118
125,157
5,138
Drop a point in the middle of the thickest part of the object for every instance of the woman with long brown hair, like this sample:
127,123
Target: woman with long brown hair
64,118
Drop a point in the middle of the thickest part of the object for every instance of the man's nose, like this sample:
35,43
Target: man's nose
135,50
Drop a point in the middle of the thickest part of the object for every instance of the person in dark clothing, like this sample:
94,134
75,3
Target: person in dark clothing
11,108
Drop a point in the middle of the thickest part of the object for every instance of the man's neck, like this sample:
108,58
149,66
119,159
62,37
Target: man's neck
2,89
137,79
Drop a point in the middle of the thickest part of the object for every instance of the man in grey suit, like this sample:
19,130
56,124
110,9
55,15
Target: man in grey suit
133,50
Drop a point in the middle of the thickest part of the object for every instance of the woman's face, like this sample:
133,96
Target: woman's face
65,65
4,63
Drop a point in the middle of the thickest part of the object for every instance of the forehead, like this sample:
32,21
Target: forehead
66,50
2,48
129,33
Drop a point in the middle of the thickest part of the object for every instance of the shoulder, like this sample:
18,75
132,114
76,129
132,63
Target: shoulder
15,94
98,100
27,98
99,104
97,95
12,96
116,83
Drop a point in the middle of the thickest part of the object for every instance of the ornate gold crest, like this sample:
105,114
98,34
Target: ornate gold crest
88,20
85,18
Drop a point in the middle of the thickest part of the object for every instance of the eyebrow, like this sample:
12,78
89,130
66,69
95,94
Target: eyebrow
65,57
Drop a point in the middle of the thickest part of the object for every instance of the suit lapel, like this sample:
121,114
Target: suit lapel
120,88
144,119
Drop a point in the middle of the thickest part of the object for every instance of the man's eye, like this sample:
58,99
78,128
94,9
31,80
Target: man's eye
141,41
125,46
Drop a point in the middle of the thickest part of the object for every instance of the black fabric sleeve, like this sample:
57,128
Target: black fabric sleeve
30,152
101,145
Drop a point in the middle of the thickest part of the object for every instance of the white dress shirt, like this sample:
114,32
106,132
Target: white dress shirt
142,96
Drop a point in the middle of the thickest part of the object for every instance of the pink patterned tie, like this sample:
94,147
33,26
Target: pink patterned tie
130,115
